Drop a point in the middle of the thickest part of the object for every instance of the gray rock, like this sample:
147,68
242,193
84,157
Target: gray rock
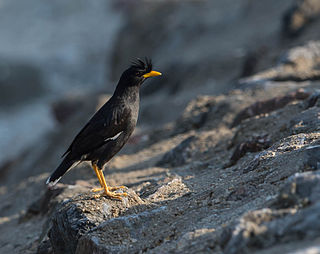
179,155
314,99
196,113
306,122
194,149
127,234
300,190
298,64
75,217
264,228
313,157
267,106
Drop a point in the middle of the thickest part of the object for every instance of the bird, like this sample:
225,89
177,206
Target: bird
109,128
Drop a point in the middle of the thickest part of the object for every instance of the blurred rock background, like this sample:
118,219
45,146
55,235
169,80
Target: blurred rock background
47,51
234,115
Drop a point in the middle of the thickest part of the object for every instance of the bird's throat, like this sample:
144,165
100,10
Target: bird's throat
130,93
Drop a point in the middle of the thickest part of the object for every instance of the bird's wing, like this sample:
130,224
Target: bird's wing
104,126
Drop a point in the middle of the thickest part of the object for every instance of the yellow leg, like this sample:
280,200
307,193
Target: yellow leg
107,190
95,168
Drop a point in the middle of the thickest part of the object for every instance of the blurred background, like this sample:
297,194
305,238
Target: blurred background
55,55
49,50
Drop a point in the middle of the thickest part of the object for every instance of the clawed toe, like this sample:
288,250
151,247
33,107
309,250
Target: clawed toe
97,189
115,194
110,192
109,188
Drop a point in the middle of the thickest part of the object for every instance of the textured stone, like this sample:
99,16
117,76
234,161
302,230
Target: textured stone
264,228
77,216
298,64
129,233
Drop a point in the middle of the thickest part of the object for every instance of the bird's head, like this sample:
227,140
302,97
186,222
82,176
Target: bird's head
138,72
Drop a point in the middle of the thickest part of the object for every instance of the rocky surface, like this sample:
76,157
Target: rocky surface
233,172
293,216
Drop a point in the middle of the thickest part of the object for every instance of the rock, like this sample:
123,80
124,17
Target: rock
170,191
264,126
254,145
196,113
210,112
283,159
314,100
4,169
75,217
194,148
264,228
300,190
306,122
313,155
267,106
251,61
298,64
51,198
299,16
179,155
127,234
45,248
190,198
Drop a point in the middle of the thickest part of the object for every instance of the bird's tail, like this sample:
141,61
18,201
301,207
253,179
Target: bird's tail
65,165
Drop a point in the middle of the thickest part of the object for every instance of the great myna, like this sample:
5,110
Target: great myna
109,129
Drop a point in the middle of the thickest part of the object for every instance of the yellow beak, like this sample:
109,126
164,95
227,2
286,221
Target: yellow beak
152,74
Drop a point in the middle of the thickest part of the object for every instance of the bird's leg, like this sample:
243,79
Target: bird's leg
109,190
95,168
100,177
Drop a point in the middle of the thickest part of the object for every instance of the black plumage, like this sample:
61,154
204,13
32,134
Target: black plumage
110,128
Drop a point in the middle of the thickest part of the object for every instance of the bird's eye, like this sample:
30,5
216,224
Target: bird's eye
138,73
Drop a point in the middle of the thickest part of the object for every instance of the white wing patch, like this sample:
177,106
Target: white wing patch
114,137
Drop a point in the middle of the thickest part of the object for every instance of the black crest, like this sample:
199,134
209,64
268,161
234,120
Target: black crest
143,66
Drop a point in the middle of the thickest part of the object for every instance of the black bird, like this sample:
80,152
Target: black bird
109,129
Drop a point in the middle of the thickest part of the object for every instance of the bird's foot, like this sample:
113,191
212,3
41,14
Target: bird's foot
110,192
109,188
